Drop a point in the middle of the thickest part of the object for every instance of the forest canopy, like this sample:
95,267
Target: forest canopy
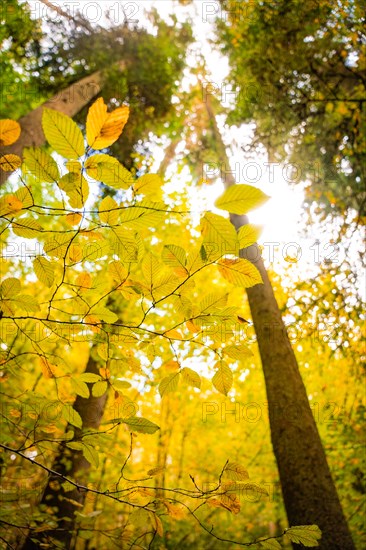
181,364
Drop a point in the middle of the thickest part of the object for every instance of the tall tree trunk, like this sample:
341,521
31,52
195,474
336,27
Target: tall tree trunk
308,490
69,101
72,464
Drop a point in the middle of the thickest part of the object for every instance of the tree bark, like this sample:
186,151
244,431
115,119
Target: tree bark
69,102
72,464
309,492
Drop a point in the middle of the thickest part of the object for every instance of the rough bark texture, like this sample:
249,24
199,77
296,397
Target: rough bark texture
69,102
309,493
72,464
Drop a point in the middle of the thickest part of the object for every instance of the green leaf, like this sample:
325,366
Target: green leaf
191,377
271,544
108,170
169,384
307,535
241,198
80,388
41,164
45,270
223,378
75,445
248,235
240,272
91,455
71,416
89,377
63,134
142,425
99,388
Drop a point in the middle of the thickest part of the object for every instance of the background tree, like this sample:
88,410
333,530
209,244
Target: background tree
307,105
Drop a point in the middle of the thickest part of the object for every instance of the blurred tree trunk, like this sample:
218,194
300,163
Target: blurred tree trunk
308,490
72,464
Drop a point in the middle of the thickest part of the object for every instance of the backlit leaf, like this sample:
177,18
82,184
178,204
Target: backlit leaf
141,425
44,270
108,170
169,384
41,164
241,198
240,272
9,163
9,132
63,134
103,128
223,378
307,535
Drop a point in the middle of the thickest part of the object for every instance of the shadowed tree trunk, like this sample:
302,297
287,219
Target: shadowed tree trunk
70,463
308,490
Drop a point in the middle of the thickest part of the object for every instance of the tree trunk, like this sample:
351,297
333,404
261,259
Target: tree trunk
70,463
308,490
69,102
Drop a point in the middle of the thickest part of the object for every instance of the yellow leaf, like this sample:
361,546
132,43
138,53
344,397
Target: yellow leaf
75,253
44,270
192,327
223,378
27,228
175,510
48,370
84,281
174,334
219,237
239,199
9,132
156,471
41,164
76,187
236,471
191,377
109,211
240,272
108,170
102,128
63,134
73,219
248,235
10,204
156,524
10,287
169,384
149,185
118,271
8,163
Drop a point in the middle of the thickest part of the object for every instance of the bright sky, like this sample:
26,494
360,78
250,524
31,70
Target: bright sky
282,214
